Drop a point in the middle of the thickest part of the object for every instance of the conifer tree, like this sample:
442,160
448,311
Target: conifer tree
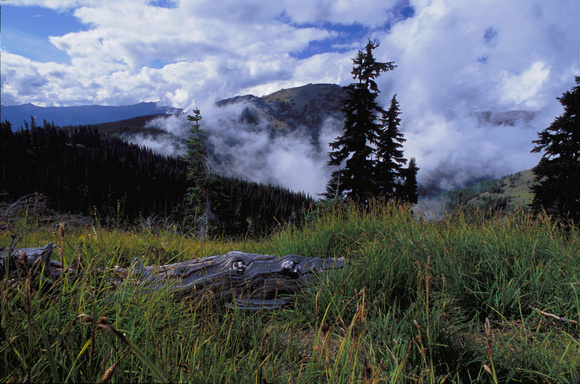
558,173
333,190
390,160
354,150
408,191
199,176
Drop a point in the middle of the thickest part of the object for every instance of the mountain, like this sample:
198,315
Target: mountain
131,126
278,139
509,118
503,194
81,115
288,110
284,110
297,106
507,192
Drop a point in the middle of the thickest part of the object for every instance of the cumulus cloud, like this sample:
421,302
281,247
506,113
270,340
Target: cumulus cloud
457,61
206,54
522,89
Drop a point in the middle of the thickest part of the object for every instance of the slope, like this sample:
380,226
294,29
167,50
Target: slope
508,192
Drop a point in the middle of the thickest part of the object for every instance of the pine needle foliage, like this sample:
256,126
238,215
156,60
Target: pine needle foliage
390,159
202,183
558,173
369,154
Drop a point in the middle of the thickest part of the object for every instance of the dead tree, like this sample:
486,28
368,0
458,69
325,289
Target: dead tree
250,280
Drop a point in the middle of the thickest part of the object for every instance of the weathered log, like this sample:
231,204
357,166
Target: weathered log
253,280
28,259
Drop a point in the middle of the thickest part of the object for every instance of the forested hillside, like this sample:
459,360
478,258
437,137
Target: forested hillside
130,126
502,194
81,171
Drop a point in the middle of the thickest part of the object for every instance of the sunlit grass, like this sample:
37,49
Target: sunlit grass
419,301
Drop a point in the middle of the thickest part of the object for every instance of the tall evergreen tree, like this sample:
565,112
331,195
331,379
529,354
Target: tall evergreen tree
199,176
354,150
558,172
408,191
390,160
333,190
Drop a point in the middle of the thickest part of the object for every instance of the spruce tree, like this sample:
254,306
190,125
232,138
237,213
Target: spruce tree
558,173
197,199
333,190
408,191
354,150
390,160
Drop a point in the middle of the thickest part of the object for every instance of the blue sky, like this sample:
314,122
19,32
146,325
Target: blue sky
25,31
457,62
60,35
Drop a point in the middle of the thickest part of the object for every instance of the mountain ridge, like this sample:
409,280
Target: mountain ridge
287,110
507,192
19,115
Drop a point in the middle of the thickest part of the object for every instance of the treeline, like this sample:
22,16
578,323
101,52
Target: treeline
257,209
484,197
82,172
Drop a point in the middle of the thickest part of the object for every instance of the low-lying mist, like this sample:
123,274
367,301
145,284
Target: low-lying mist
295,159
451,152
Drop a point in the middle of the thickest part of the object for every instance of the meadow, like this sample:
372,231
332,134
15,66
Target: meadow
468,298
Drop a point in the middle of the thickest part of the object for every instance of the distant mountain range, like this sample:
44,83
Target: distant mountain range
283,111
82,115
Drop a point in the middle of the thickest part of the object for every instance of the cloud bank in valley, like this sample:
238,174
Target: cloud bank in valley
252,151
458,62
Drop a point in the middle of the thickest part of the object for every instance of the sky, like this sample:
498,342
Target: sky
476,80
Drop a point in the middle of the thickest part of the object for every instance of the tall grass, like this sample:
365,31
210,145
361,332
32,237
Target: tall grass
459,300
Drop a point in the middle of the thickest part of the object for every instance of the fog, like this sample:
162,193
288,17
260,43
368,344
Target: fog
452,151
252,151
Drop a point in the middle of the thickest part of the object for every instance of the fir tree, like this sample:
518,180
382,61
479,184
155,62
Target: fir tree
558,173
199,176
354,150
333,190
390,160
408,191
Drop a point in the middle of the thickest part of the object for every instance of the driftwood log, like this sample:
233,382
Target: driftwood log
252,280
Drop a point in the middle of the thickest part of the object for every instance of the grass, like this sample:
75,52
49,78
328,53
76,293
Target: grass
419,302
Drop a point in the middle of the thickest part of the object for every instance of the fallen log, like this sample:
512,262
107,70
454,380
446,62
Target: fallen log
28,259
252,280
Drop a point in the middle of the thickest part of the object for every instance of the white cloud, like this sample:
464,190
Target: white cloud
250,151
208,55
521,90
457,59
366,12
55,4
